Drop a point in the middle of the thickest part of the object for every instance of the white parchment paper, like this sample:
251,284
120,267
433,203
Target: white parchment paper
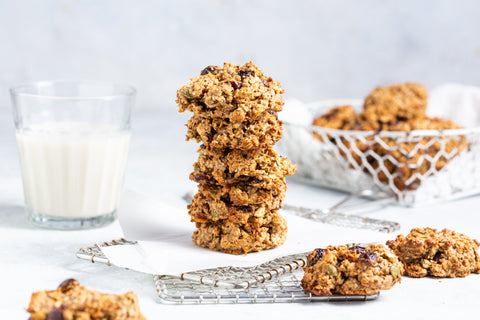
165,246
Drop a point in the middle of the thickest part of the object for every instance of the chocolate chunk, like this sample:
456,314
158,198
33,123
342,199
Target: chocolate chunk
208,69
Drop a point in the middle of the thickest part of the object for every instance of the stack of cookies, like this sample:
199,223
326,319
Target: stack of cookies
241,178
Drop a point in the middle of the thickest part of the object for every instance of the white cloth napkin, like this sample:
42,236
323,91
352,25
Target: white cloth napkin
165,246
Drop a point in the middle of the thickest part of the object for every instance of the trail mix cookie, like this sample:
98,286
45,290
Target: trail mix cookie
351,270
233,92
445,253
263,168
237,238
203,209
247,135
72,301
244,194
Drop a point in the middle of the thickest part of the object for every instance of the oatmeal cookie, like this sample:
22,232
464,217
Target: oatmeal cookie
389,104
250,134
341,117
204,208
72,301
428,252
233,92
242,194
351,270
238,238
262,168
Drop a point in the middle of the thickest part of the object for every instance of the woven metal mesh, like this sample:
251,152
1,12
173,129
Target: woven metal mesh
416,167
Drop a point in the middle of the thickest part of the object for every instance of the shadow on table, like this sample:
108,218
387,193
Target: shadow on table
14,216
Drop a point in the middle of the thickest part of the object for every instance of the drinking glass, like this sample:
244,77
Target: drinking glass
73,140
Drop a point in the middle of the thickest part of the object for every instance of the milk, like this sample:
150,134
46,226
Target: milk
72,170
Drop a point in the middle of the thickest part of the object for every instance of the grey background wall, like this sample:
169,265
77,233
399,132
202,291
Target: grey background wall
317,49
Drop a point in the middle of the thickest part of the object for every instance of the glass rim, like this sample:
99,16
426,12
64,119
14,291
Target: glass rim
26,90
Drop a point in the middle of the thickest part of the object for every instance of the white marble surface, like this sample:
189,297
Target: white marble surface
160,160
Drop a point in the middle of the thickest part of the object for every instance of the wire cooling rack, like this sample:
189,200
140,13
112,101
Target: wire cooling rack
276,281
417,167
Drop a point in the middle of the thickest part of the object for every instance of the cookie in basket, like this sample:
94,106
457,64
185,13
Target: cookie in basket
390,104
72,301
445,253
352,270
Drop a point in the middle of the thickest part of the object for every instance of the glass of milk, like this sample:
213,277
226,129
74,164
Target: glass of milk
73,140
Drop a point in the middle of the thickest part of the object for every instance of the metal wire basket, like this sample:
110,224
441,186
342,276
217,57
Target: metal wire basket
416,167
275,281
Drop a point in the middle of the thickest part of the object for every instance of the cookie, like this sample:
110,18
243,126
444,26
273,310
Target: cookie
250,134
204,208
445,253
72,301
233,92
351,270
237,238
262,168
389,104
341,117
